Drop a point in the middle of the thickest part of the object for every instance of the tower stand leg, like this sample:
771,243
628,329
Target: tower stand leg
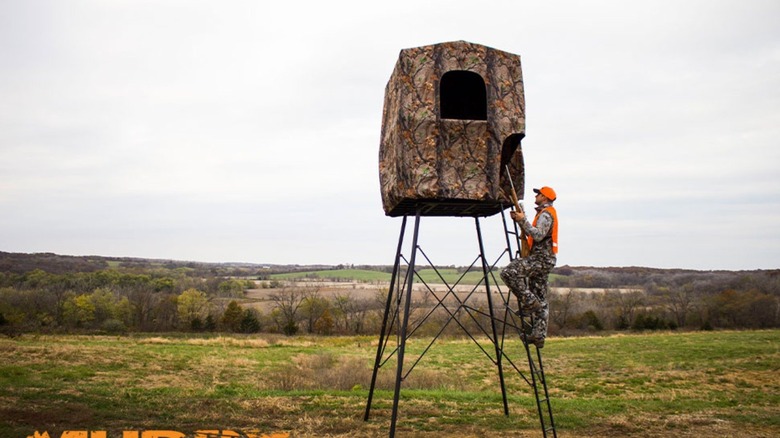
499,353
380,346
404,324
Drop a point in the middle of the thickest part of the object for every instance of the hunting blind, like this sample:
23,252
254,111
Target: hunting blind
453,118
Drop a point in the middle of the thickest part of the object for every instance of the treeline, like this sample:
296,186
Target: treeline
49,292
617,277
20,263
111,301
654,299
106,299
116,297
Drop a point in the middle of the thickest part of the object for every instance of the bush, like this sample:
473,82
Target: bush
290,328
650,322
196,324
233,316
250,323
113,326
591,321
211,324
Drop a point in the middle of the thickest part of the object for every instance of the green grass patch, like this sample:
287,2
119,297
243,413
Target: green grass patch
337,274
428,275
660,384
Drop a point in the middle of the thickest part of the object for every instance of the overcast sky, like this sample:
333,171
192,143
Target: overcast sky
248,131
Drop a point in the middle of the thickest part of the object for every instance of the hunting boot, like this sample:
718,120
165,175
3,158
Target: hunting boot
538,329
533,340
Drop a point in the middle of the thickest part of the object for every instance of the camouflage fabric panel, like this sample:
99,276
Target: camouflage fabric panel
462,164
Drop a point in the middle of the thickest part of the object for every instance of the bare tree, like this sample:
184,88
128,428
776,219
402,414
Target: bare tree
352,312
313,307
357,323
626,304
287,302
679,302
561,307
342,306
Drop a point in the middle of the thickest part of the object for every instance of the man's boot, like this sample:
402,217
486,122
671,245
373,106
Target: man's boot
538,330
534,339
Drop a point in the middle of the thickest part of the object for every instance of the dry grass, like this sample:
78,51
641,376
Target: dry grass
723,384
325,371
223,341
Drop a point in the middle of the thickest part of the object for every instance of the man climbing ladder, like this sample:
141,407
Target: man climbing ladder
527,277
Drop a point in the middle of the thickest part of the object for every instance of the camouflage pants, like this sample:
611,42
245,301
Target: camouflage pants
527,279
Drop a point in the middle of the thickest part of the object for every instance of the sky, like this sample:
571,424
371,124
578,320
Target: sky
248,131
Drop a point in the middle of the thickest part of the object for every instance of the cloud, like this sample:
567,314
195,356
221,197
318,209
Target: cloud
250,131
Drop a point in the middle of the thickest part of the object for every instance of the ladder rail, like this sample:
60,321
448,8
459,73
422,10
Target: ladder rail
546,393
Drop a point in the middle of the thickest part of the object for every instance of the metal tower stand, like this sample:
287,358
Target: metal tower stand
502,318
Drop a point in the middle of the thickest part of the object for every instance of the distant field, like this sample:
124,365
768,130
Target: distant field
644,385
451,276
341,274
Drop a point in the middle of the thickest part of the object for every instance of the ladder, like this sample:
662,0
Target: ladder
538,380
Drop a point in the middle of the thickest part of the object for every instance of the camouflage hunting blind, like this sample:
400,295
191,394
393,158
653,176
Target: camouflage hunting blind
453,117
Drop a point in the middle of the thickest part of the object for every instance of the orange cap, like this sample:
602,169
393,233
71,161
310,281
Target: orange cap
548,192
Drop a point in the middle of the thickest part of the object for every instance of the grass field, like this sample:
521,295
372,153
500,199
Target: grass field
672,384
451,276
341,274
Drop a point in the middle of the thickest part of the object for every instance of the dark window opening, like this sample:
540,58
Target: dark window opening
462,96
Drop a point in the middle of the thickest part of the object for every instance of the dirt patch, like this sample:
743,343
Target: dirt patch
69,415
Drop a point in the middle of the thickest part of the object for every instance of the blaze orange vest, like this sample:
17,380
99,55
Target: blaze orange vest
554,215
